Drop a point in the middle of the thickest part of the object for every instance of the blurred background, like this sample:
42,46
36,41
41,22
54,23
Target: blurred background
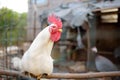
87,24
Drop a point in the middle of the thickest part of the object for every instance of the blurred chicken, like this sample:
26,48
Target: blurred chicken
103,64
37,59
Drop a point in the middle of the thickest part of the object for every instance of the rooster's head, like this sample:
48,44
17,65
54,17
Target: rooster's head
55,27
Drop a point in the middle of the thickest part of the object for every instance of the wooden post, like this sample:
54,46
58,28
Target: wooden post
118,25
91,33
118,17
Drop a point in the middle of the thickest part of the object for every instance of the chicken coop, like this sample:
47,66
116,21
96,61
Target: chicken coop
90,37
85,25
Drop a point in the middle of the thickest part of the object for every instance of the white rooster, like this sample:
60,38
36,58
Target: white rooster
37,59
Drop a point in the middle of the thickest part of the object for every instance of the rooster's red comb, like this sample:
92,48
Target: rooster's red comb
55,20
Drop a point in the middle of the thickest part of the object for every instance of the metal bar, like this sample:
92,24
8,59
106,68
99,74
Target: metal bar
34,24
67,75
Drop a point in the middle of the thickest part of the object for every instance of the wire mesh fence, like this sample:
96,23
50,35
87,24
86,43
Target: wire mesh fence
9,48
12,36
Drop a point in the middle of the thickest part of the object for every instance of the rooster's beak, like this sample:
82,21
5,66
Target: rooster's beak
60,30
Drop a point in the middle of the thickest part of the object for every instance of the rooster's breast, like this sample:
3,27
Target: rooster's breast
39,65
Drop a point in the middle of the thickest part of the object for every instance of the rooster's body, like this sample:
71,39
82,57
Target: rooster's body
37,59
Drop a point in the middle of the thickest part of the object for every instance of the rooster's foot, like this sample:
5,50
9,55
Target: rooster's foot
39,77
44,74
27,74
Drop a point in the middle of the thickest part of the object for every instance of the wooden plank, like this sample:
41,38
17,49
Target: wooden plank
83,75
95,10
67,75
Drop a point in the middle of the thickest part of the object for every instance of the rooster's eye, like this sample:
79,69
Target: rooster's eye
53,26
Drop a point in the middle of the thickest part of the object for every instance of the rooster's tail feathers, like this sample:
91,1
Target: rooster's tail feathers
16,63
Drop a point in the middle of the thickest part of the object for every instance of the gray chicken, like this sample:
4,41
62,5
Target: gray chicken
103,64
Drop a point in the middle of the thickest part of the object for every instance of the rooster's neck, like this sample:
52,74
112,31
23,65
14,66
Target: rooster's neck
42,43
49,47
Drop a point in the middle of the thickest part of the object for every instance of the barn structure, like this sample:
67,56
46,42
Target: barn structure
101,31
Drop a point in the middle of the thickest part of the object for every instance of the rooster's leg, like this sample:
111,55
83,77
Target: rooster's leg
39,77
27,74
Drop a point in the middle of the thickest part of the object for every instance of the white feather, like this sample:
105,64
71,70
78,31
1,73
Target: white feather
16,62
37,59
94,49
